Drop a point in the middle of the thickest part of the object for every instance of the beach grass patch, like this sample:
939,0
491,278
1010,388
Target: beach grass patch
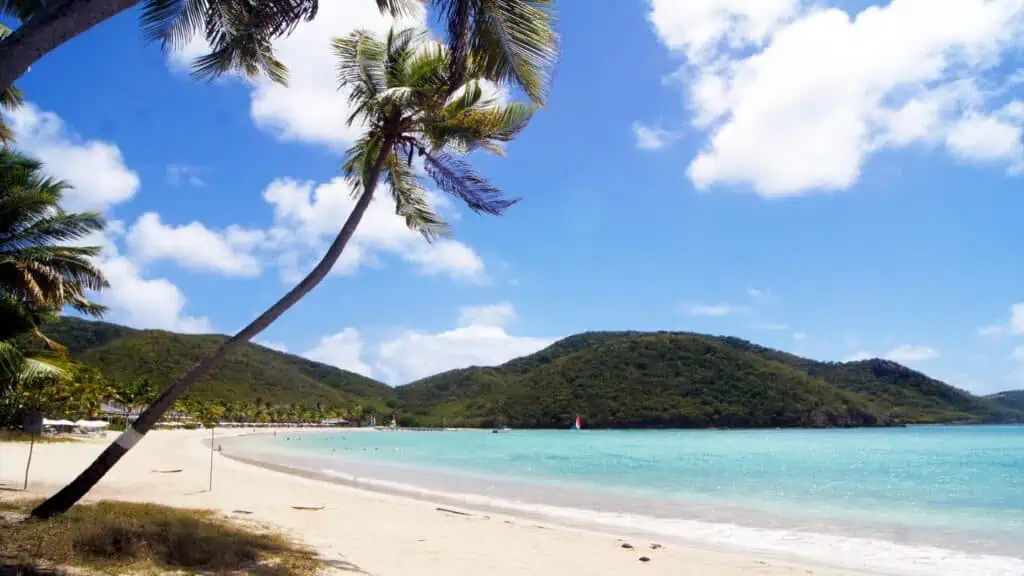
132,538
19,436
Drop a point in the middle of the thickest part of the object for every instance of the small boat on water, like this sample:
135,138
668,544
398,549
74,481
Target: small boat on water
578,424
501,430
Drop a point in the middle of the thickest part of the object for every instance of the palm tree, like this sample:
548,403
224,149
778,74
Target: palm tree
513,39
400,90
37,267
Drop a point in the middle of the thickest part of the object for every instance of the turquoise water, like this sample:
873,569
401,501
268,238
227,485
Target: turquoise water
960,488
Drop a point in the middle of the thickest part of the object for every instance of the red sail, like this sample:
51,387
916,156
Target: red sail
579,422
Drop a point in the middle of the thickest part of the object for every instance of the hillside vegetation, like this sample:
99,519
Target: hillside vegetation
251,373
612,379
635,379
1013,399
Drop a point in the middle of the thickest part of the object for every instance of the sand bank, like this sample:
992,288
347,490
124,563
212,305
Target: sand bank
381,534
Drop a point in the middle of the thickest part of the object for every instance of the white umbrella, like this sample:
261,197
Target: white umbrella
91,424
48,422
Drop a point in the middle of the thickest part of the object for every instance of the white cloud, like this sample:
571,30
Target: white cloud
911,353
795,95
799,336
138,301
992,330
95,169
500,314
307,216
184,174
1017,318
273,345
1018,353
858,356
146,303
1014,326
479,339
986,138
194,246
310,108
652,138
762,296
715,310
343,350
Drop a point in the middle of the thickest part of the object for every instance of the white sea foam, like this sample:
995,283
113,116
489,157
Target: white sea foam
872,555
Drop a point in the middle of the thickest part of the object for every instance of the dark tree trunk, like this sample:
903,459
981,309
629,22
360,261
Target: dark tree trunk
73,492
58,22
28,464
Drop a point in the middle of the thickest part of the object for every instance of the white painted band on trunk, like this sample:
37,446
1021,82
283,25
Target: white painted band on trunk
130,437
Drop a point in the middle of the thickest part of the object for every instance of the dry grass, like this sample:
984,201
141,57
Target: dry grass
128,538
19,436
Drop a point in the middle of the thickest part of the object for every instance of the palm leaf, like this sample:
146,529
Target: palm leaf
37,267
21,10
456,177
511,41
411,200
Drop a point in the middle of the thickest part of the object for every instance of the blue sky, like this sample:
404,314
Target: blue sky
836,180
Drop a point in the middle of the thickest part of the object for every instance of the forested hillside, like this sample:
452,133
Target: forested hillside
254,372
641,379
612,379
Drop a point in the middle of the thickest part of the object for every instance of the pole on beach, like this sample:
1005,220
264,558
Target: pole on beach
31,446
212,431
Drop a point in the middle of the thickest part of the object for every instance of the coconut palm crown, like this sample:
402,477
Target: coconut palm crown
38,269
399,89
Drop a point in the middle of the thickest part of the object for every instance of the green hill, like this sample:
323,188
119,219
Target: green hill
613,379
636,379
254,372
907,394
1011,399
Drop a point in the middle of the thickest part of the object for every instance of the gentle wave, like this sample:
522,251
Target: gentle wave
877,556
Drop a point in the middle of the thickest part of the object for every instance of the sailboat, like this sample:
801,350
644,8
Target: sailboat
578,424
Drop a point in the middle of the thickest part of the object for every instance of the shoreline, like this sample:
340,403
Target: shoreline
730,530
384,533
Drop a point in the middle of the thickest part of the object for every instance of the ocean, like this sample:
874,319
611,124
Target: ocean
902,501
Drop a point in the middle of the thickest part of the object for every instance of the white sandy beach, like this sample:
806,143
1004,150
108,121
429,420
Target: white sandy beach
381,534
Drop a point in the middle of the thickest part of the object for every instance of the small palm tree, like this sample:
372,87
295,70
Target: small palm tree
37,267
513,38
400,90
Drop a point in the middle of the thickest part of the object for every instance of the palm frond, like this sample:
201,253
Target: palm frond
361,67
466,128
457,177
61,227
33,371
411,201
240,41
11,98
15,368
22,10
37,268
173,23
515,42
507,41
398,8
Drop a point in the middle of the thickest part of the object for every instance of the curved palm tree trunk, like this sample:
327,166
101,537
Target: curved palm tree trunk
58,22
73,492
